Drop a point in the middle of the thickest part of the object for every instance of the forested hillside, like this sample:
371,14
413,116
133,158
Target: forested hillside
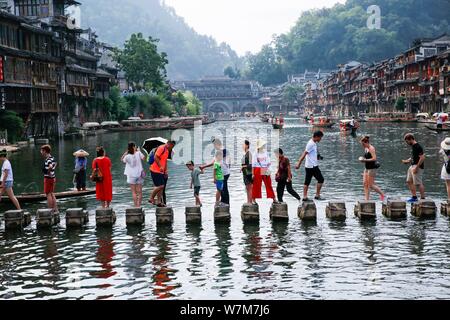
327,37
190,55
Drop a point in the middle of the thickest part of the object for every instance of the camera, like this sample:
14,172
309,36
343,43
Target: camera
319,157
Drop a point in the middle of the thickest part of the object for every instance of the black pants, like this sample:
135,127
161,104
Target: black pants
225,196
281,186
439,126
80,179
164,197
313,172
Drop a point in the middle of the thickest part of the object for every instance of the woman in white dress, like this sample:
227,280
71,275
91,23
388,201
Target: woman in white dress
134,171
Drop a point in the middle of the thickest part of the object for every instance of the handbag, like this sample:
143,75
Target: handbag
96,175
377,165
143,174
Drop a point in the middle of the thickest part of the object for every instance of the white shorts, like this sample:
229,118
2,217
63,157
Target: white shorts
444,174
135,180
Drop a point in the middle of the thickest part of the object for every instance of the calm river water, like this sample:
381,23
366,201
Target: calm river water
295,260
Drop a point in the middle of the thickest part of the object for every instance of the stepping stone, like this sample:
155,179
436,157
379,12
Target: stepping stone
395,209
16,219
105,217
222,214
445,208
307,211
366,210
193,214
164,215
76,217
250,213
46,218
336,211
279,211
135,216
424,209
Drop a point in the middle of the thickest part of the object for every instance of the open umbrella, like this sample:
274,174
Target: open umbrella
81,154
153,143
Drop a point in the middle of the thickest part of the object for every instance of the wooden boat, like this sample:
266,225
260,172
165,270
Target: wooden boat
38,197
321,122
344,126
278,123
445,129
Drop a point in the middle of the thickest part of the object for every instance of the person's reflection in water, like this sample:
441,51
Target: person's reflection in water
256,265
223,244
164,275
50,256
368,233
136,257
313,247
105,255
196,252
417,237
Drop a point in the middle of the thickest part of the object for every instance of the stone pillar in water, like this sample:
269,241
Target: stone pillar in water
164,215
395,209
135,216
76,217
250,213
424,209
279,211
193,214
307,211
222,214
105,217
47,218
16,219
366,210
445,208
336,211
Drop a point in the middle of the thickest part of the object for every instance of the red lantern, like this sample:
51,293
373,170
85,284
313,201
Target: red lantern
1,69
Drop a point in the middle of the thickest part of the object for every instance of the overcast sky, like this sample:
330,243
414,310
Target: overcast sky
244,24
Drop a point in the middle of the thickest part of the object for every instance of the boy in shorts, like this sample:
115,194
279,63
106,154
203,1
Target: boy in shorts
218,176
195,181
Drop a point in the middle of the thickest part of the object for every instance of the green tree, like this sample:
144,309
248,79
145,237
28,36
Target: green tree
11,122
233,73
142,63
194,105
400,104
291,94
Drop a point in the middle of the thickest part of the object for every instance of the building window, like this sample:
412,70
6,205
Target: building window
33,8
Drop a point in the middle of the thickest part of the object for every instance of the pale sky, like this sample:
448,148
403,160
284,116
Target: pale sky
246,25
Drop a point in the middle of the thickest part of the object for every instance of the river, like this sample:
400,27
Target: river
385,259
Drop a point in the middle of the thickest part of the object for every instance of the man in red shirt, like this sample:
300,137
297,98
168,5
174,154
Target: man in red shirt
159,172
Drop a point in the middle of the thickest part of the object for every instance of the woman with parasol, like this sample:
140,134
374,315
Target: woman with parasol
80,169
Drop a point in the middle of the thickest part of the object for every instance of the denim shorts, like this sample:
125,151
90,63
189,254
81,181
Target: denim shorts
219,185
7,185
135,180
196,191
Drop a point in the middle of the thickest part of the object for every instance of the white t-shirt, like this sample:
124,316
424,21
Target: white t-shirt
261,160
133,164
440,120
311,157
7,166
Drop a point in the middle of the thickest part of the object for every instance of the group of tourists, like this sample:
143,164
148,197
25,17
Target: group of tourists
256,169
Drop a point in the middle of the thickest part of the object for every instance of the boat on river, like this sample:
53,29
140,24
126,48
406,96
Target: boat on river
138,124
321,122
435,128
390,117
345,126
39,197
278,123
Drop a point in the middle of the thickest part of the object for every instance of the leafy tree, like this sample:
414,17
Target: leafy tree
266,67
194,105
11,122
142,62
291,94
400,104
233,73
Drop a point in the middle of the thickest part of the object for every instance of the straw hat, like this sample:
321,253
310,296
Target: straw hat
260,144
80,154
445,145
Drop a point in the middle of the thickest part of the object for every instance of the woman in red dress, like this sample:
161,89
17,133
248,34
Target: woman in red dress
104,188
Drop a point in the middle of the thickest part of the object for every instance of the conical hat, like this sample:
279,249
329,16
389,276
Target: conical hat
81,154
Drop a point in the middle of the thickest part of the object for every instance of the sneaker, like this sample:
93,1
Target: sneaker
383,197
412,200
306,200
319,198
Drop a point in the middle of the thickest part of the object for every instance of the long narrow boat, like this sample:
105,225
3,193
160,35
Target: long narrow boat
38,197
438,130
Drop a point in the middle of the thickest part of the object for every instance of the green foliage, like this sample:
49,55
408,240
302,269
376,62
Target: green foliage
194,105
179,101
120,108
400,104
291,94
142,63
322,39
11,122
191,55
233,73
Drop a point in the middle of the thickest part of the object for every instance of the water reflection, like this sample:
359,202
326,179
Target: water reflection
164,276
104,256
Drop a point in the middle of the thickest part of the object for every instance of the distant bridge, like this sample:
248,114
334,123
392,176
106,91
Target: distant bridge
225,95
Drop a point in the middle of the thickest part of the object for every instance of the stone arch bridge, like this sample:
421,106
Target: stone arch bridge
224,95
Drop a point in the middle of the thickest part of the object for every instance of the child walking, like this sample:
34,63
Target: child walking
195,181
218,176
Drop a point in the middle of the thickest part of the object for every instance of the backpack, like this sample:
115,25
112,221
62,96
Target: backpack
447,163
151,156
